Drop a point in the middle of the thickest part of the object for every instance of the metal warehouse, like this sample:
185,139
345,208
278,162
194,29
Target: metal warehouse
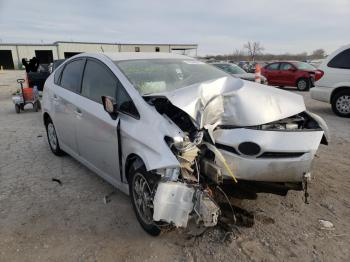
11,55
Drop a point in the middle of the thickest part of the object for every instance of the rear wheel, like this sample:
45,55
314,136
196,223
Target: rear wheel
141,187
35,107
53,139
341,103
17,108
303,84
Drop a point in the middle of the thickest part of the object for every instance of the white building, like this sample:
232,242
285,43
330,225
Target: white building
11,55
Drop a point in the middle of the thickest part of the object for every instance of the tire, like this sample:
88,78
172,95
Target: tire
17,108
137,178
303,84
51,137
35,107
341,103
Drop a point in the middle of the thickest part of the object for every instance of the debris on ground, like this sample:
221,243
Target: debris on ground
107,198
57,180
326,224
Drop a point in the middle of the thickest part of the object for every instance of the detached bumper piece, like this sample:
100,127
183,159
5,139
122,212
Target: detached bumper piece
176,203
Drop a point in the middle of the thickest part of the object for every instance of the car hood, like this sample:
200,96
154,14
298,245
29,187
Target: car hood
231,101
247,76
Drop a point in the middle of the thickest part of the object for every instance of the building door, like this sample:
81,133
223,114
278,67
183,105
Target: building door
70,54
6,60
44,56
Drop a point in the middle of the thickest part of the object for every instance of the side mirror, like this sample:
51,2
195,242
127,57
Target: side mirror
292,69
110,106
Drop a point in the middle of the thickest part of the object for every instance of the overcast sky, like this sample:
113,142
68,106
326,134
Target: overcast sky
218,27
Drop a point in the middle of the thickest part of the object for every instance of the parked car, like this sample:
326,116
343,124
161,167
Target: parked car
334,86
55,64
238,72
291,73
170,131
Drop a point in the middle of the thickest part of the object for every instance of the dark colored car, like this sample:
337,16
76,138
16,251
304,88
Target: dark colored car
291,73
39,77
55,64
239,72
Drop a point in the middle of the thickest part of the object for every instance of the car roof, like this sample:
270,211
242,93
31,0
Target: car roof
119,56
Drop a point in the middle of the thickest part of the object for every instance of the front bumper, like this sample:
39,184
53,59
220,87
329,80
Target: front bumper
285,156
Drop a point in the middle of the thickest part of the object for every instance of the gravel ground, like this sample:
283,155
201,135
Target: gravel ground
41,220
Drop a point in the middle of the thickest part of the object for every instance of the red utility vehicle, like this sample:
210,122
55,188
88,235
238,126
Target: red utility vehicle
291,73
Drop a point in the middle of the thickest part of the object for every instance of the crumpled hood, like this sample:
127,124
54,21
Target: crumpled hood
230,101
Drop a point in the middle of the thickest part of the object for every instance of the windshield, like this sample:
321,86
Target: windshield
304,66
161,75
231,69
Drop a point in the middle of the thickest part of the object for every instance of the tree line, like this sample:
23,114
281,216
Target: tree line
253,51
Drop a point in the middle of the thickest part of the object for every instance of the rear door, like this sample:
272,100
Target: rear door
64,98
271,72
97,131
287,74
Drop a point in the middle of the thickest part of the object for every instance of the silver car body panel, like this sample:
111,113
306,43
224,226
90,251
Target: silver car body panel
227,101
258,168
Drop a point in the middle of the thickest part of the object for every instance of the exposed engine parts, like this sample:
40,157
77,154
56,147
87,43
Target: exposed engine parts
210,154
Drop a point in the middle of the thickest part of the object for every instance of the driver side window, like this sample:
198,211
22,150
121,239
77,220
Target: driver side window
98,81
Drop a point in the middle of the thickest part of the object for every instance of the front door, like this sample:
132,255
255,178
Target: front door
97,135
286,76
271,73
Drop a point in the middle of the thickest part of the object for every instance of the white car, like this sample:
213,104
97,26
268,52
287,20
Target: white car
334,85
170,131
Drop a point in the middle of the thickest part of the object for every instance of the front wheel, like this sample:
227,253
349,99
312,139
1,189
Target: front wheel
341,103
141,187
303,84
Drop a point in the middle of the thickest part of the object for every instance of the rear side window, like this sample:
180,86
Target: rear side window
341,60
57,75
71,76
272,66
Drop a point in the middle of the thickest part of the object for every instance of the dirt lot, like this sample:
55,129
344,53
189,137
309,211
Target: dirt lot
41,220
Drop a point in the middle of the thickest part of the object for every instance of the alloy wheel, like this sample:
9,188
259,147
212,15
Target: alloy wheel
343,104
52,136
143,198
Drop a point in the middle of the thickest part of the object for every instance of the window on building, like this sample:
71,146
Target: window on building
137,49
341,60
157,49
71,76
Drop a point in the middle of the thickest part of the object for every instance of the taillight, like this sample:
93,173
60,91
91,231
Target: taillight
318,74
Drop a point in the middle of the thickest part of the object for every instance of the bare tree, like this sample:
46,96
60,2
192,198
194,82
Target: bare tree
318,53
254,49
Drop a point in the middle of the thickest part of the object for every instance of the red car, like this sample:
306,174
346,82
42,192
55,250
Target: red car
291,73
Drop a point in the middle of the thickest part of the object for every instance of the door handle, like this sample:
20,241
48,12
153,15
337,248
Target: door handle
55,97
78,112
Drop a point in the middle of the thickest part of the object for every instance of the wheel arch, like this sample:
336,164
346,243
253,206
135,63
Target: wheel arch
46,118
337,90
132,160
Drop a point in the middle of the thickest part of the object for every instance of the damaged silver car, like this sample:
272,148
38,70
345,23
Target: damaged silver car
176,133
